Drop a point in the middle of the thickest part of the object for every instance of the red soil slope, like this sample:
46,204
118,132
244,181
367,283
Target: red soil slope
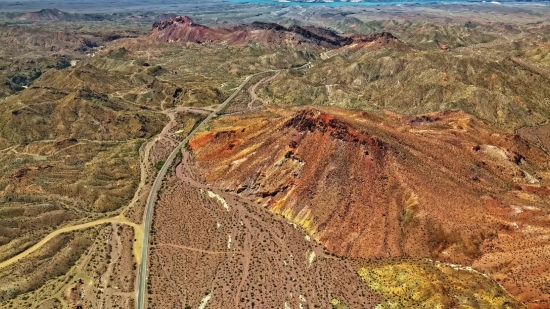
444,186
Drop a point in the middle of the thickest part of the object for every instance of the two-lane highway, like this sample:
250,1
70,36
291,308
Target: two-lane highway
142,276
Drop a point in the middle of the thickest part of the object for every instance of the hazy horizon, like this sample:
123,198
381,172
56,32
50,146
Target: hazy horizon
100,6
166,6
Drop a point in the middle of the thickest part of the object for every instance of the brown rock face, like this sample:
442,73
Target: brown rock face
381,37
444,186
184,20
183,29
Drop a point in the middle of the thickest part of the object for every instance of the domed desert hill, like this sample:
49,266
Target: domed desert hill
56,15
184,29
46,15
444,186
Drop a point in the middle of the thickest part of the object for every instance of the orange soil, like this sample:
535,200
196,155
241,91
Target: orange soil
444,186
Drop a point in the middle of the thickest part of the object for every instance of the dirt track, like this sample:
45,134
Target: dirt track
138,230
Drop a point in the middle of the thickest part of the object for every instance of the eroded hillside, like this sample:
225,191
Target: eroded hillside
444,186
415,174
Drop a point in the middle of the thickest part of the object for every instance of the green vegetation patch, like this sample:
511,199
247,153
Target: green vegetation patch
159,165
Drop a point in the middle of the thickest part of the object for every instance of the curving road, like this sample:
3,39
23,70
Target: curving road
118,219
142,276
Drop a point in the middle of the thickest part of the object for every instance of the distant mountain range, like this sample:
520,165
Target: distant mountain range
56,15
184,29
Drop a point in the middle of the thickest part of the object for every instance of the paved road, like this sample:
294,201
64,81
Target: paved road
142,276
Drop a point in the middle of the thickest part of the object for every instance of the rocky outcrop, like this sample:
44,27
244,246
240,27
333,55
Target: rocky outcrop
183,29
382,37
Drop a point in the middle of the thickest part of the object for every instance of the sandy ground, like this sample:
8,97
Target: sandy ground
204,255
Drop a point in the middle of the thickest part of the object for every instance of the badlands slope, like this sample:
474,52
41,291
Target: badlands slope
443,186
